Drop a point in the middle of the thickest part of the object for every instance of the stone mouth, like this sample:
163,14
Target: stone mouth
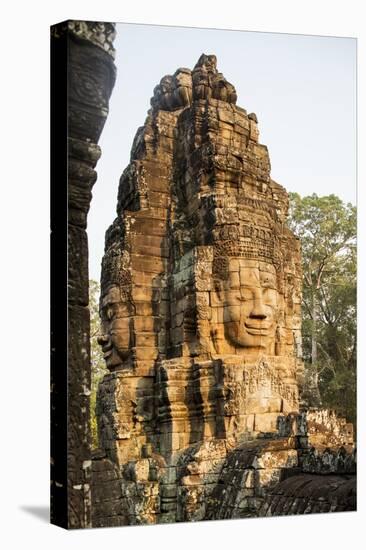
107,350
262,330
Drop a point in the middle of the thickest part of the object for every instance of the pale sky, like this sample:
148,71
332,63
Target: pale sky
302,88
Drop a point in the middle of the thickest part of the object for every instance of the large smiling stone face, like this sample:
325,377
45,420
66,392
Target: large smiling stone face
251,304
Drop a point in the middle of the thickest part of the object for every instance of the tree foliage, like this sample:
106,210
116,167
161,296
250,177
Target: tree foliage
98,368
327,231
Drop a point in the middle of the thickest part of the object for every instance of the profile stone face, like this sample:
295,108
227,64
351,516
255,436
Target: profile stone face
116,331
200,307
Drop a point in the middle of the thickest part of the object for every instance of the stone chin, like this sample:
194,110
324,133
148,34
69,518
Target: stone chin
115,358
252,339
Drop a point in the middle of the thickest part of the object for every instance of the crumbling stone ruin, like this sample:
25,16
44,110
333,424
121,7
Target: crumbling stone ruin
201,415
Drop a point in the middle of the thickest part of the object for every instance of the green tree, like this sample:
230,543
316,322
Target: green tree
98,368
327,231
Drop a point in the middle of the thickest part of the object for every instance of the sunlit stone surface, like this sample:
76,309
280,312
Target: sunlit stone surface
199,416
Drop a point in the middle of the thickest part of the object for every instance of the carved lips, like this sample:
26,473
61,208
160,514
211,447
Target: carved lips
107,350
261,329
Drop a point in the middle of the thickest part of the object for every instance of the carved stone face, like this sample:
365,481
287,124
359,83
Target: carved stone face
116,334
183,91
251,305
183,78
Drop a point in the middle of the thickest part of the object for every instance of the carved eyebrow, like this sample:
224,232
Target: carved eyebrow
248,285
268,274
253,275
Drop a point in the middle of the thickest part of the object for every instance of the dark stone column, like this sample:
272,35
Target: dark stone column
87,50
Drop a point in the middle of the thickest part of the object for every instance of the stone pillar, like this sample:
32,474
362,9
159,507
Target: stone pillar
83,75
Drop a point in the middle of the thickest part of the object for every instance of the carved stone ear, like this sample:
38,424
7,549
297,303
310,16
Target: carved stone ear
218,286
214,339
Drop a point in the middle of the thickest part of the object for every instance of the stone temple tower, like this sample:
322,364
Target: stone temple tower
200,308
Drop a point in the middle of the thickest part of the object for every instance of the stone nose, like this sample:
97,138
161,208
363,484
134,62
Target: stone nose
258,311
103,339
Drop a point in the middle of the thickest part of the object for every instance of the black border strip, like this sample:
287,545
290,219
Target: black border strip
59,59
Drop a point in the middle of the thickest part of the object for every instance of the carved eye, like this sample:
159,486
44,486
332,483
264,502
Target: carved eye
245,296
268,283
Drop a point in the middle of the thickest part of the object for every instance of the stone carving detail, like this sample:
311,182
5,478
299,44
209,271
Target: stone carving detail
86,50
200,306
97,33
